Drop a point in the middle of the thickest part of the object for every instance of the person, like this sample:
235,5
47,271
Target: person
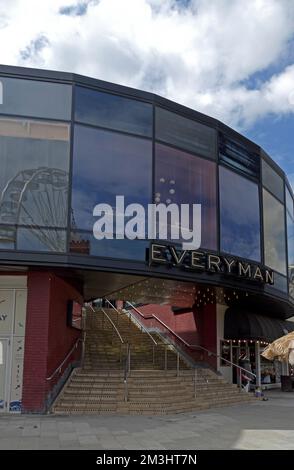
244,362
266,377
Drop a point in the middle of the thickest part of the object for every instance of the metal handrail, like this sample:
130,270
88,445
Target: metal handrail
127,370
143,327
58,369
195,345
107,316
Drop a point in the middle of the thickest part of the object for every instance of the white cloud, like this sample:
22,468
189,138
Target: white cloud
201,56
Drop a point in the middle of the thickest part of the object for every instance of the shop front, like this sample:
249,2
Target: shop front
244,336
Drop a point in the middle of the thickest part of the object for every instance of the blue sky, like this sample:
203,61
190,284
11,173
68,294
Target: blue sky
276,136
231,59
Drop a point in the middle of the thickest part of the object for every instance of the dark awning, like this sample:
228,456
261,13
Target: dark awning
246,325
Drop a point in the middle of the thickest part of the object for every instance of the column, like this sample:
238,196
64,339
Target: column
257,364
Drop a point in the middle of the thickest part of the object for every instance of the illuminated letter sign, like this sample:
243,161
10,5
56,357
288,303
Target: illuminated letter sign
193,260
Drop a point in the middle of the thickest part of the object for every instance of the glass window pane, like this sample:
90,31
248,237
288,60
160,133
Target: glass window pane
112,111
289,203
272,181
279,284
290,233
182,178
274,233
238,156
36,99
107,165
7,237
239,215
84,243
41,239
185,133
34,159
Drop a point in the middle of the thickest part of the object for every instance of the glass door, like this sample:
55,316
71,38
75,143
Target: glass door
4,343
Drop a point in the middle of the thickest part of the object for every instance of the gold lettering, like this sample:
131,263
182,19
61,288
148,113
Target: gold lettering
244,270
229,264
258,275
177,259
213,263
157,253
196,258
269,277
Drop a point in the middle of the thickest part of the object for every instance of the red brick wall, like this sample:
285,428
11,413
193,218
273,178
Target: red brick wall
197,327
184,324
61,337
48,338
207,331
36,342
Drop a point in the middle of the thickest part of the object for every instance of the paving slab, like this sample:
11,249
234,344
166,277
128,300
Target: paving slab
260,425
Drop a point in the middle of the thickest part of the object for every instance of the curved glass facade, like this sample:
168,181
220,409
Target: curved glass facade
57,163
183,178
240,236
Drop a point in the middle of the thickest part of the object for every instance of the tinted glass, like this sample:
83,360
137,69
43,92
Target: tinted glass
289,203
185,133
41,239
290,234
107,165
274,233
280,284
182,178
114,112
272,181
238,156
34,159
7,237
239,215
36,99
84,243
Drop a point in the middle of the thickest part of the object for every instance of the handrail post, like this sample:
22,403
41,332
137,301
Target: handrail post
60,366
140,325
165,358
178,364
83,347
240,380
127,371
195,379
153,354
126,390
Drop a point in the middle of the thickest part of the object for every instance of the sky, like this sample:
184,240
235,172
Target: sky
230,59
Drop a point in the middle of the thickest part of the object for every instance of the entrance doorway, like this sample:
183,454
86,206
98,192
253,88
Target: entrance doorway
4,370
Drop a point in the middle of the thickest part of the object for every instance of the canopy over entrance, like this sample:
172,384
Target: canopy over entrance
242,324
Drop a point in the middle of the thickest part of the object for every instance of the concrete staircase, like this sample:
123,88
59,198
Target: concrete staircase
152,388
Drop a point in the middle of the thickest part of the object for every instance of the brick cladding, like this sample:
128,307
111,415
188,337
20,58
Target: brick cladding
48,337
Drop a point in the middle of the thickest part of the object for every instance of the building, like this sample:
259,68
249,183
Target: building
68,142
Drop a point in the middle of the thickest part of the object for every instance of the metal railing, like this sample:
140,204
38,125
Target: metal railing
127,371
134,318
59,368
112,323
156,348
127,364
197,346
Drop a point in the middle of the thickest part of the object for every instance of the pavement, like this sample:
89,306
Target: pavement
260,425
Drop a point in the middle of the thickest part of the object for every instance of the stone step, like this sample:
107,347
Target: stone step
98,387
